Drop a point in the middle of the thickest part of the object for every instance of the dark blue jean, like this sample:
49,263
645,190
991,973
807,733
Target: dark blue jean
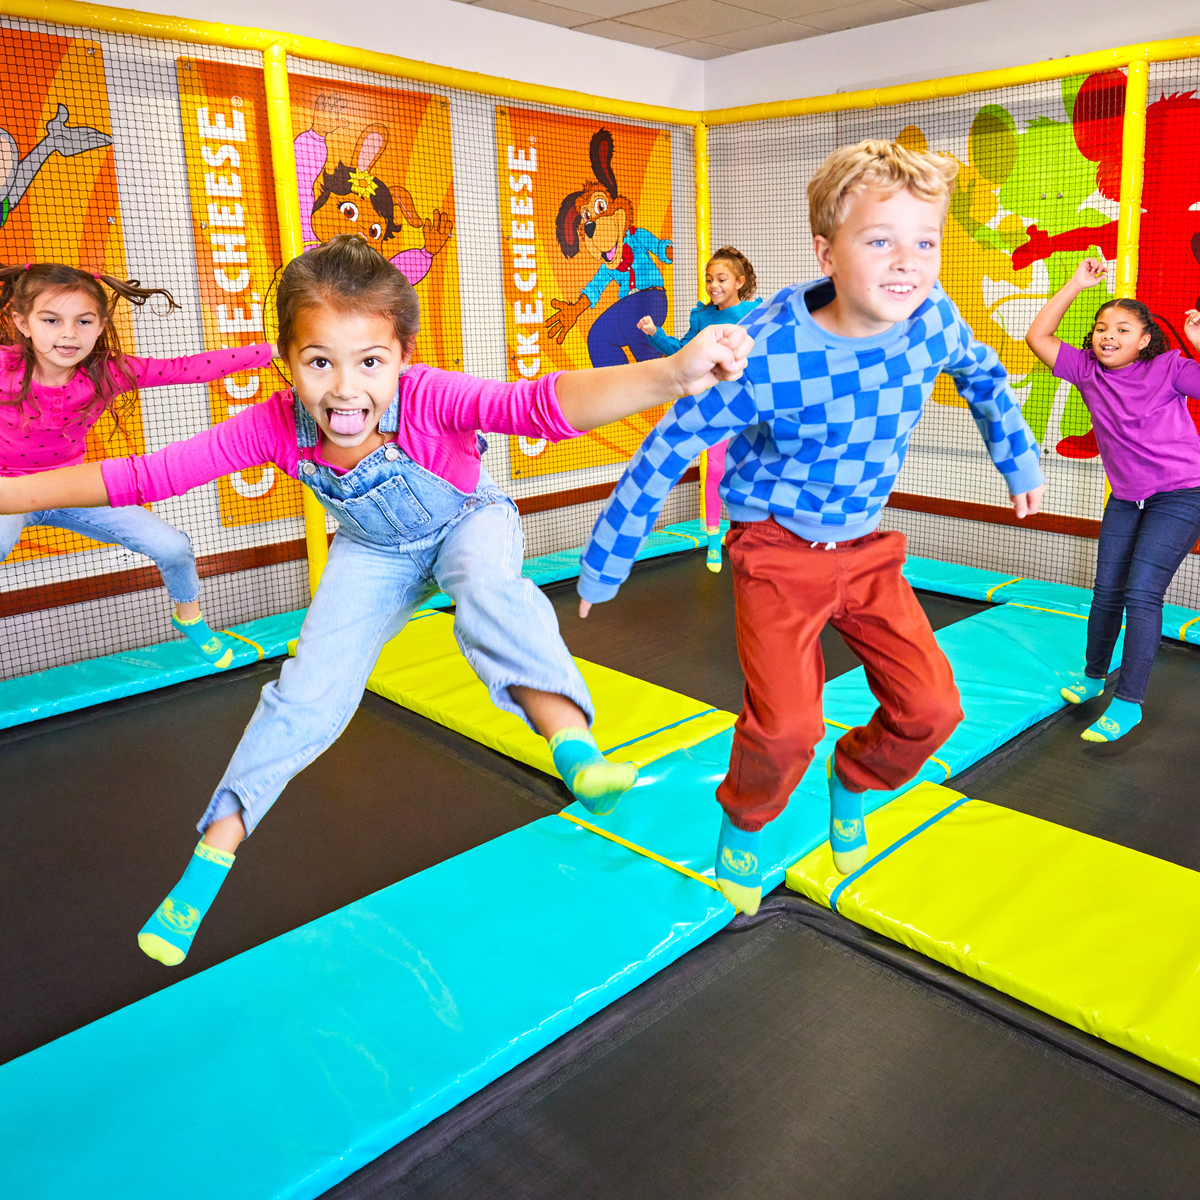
1140,551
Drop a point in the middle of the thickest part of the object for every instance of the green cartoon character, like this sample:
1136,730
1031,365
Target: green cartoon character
1046,182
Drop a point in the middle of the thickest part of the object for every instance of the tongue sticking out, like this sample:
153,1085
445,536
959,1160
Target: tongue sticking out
348,423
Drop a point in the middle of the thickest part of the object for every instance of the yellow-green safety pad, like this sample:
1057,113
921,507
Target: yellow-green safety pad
423,669
1095,934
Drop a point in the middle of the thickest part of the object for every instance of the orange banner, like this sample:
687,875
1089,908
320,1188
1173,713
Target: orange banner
58,201
377,162
236,235
585,213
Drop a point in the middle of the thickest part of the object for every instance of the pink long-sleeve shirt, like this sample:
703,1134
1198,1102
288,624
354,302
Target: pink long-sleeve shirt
51,428
440,412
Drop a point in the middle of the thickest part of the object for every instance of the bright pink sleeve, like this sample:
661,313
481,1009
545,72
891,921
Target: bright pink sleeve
196,368
262,433
445,402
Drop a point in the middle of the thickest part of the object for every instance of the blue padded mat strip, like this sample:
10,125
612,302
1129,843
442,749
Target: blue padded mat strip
96,680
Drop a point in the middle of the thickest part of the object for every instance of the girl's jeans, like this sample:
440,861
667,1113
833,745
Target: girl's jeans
134,528
1140,550
506,627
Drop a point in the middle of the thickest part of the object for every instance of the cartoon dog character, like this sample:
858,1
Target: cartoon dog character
17,173
349,199
600,221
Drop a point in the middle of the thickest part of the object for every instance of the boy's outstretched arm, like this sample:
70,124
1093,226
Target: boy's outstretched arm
81,486
693,424
982,381
1042,338
589,399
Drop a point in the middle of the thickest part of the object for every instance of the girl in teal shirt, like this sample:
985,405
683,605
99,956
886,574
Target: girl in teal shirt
729,279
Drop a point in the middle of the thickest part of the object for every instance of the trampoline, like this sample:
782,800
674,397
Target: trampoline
794,1053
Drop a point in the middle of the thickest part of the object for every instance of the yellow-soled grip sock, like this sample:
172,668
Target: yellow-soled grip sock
739,866
713,558
1079,693
197,631
1119,718
594,781
167,936
847,829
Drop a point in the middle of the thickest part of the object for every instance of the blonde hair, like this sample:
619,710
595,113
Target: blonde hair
886,167
741,264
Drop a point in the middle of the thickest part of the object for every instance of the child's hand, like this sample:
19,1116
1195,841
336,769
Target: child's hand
647,326
1191,327
716,354
1089,273
274,349
1025,504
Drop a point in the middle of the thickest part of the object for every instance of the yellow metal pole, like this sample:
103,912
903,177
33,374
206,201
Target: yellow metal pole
703,251
1133,162
291,239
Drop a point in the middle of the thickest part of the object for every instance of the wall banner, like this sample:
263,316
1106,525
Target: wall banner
377,162
585,217
236,234
58,200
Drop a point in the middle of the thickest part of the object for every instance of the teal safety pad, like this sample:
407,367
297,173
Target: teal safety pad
327,1046
972,583
80,685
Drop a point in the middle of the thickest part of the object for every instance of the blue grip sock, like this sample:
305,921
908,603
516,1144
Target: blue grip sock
739,866
216,651
713,560
847,828
1079,693
594,781
1119,718
167,936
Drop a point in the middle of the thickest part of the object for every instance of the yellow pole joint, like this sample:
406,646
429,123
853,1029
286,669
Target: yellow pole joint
1133,162
291,242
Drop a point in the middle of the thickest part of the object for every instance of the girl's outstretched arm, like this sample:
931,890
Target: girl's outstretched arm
67,487
1041,338
589,399
1191,327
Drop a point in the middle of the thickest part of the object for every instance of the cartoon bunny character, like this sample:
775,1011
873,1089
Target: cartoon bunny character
17,173
600,221
349,199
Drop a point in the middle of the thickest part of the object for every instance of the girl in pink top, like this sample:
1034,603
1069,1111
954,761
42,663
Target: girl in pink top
391,450
1136,390
61,369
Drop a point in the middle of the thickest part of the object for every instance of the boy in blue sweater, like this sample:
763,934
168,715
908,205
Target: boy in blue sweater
820,422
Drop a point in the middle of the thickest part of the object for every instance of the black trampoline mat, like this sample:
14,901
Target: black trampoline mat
672,623
1142,791
789,1065
101,807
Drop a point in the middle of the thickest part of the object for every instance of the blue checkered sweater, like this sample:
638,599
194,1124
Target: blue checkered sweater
820,426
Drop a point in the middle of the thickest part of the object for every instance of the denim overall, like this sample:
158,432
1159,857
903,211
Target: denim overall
403,533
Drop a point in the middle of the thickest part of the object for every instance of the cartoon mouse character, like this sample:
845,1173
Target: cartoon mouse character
349,199
600,221
17,173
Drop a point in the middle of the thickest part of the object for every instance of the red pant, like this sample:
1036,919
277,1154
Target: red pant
786,590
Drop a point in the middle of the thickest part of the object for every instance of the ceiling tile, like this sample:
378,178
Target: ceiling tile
697,50
774,34
867,12
944,3
534,10
615,8
786,10
627,33
694,19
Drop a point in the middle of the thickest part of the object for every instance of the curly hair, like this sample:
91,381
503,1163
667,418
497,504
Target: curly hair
741,266
1158,340
114,386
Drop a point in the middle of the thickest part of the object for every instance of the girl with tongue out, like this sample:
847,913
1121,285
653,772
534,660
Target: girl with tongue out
392,451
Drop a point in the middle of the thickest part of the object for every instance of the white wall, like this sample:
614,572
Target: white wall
470,39
977,37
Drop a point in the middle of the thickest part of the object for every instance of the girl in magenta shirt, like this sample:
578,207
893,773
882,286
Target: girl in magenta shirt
61,369
391,450
1136,390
